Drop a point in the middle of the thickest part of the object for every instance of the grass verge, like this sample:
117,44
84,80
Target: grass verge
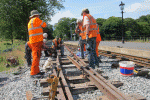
19,52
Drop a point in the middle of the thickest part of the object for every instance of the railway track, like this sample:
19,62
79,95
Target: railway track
76,78
140,61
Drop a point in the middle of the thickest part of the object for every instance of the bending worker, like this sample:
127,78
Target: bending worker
90,29
36,40
98,39
82,35
57,42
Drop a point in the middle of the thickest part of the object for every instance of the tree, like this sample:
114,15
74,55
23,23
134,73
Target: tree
100,21
62,28
111,27
14,15
133,26
49,31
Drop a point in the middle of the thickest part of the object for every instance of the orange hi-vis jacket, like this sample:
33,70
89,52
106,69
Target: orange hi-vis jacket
82,34
35,30
55,42
93,27
98,38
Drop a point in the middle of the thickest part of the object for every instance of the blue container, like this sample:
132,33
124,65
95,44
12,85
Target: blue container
126,68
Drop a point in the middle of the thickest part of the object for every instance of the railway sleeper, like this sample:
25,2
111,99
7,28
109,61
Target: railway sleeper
66,62
77,79
116,83
82,88
73,72
68,66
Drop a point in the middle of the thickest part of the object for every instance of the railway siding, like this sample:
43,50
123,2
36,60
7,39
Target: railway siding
134,52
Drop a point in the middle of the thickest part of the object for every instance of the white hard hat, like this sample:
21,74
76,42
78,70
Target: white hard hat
79,20
44,40
45,35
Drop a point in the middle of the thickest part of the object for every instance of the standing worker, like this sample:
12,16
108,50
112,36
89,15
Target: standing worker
82,35
36,40
98,39
90,29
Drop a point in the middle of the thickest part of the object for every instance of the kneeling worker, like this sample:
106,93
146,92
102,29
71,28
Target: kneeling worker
36,40
28,53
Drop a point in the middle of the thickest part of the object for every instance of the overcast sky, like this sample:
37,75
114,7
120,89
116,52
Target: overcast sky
103,9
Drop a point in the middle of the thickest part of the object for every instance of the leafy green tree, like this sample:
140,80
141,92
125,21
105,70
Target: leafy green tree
63,27
111,27
100,21
132,26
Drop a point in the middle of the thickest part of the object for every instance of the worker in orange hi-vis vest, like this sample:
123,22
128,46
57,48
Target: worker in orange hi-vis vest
98,39
79,30
90,29
36,40
55,43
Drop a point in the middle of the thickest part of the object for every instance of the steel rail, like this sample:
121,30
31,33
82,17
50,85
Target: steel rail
64,82
107,88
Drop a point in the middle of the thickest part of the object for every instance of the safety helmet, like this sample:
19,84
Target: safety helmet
79,20
45,35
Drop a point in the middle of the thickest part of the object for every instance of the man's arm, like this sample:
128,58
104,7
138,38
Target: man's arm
87,28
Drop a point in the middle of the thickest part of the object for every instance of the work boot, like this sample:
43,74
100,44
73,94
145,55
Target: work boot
39,75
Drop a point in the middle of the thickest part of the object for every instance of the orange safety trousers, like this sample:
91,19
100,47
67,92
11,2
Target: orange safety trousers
36,54
97,44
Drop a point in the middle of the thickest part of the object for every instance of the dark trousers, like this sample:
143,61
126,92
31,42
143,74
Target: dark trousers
92,57
82,42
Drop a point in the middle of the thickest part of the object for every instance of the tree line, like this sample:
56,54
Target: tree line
14,16
110,28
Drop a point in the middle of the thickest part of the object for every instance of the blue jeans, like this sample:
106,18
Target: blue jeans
82,42
92,57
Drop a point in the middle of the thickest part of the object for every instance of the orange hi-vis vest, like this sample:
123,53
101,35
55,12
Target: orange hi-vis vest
82,34
55,42
35,30
93,27
98,38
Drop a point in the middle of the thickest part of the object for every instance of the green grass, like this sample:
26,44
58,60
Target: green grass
17,51
7,44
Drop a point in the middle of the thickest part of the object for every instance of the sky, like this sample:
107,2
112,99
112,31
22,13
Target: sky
102,9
